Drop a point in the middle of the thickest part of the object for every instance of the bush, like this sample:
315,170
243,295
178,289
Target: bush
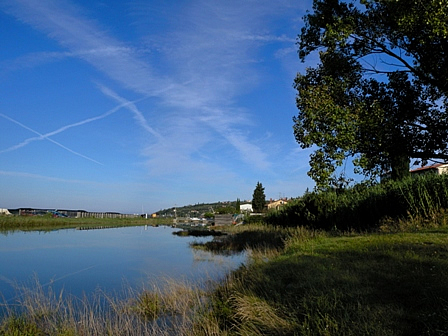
363,208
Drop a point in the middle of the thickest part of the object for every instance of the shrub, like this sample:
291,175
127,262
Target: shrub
363,208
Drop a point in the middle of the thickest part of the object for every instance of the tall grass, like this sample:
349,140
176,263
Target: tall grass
165,308
13,223
371,284
255,237
363,208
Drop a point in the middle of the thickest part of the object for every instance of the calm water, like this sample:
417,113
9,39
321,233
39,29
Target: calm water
83,261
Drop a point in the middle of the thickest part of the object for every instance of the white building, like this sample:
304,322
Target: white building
439,168
4,212
246,207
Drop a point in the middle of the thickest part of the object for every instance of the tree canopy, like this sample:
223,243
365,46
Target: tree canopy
258,198
379,92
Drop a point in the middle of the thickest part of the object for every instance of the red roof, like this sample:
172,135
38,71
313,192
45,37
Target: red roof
434,166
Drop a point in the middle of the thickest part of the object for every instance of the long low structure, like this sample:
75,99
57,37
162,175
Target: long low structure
69,213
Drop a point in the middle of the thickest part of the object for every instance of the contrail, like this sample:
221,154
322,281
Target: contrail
47,135
43,136
67,275
131,106
10,282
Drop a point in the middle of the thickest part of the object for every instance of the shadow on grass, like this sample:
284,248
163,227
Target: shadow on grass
398,291
238,242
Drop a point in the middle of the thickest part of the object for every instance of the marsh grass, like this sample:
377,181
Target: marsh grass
371,284
45,223
167,308
258,236
364,208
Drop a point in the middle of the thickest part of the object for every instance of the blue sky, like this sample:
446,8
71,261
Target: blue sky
131,105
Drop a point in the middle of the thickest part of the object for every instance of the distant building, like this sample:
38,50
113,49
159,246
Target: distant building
69,213
276,204
438,169
4,212
246,207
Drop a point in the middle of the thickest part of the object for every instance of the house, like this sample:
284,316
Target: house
276,204
439,168
246,207
4,212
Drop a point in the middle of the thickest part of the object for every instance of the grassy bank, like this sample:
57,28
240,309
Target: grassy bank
373,284
298,282
24,223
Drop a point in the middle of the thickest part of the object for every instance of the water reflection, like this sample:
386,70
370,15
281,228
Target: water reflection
82,261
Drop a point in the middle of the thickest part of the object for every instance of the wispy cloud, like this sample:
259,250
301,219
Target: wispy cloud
210,51
42,177
41,137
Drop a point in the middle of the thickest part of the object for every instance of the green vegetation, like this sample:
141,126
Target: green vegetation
199,209
378,96
366,208
375,284
258,198
44,312
47,223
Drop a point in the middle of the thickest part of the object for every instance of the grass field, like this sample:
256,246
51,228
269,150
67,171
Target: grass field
373,284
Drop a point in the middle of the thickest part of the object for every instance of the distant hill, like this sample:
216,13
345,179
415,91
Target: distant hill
197,210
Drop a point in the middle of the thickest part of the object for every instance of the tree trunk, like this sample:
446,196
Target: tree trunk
400,167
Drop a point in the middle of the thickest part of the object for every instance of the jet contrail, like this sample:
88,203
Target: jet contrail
43,136
131,106
24,290
47,135
67,275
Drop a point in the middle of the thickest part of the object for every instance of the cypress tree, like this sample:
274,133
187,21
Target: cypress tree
258,198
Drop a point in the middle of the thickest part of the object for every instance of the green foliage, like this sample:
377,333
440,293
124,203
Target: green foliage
225,210
238,205
258,198
365,100
18,326
363,207
209,215
148,305
253,236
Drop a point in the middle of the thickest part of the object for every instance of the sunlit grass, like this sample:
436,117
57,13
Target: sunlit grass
46,223
372,284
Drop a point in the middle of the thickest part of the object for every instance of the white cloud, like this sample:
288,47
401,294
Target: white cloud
210,50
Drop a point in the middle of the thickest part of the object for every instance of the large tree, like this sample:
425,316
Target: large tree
379,92
258,198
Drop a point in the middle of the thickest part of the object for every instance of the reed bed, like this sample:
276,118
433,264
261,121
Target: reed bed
47,223
165,308
365,208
